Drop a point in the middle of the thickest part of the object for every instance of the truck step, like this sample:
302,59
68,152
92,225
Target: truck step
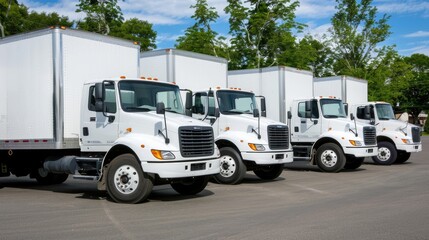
82,177
301,159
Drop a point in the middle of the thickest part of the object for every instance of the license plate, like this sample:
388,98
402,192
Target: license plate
370,150
198,166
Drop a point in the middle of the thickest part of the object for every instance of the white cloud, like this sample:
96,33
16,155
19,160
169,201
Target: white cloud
316,9
317,31
403,6
62,7
418,34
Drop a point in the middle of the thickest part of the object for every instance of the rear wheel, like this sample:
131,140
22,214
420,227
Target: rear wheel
126,181
402,157
269,172
232,168
353,162
191,186
387,154
330,157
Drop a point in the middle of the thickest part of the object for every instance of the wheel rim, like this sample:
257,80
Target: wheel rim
126,179
383,154
329,158
227,166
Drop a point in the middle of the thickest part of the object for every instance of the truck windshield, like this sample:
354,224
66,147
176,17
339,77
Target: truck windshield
384,111
236,102
141,96
332,108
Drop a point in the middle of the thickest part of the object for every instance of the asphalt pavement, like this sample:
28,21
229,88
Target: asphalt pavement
372,202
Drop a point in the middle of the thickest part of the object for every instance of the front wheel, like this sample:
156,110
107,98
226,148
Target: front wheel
386,154
191,186
232,168
269,172
330,158
403,157
126,181
353,162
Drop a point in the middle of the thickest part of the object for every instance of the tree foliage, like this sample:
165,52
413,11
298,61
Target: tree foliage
259,29
138,31
15,18
417,94
356,32
101,15
200,37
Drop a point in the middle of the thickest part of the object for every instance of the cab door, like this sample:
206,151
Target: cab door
306,126
100,129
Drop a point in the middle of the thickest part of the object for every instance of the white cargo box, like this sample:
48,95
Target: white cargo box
350,90
189,70
41,80
279,85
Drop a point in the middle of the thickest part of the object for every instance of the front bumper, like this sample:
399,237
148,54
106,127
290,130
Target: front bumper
182,169
268,157
417,147
362,151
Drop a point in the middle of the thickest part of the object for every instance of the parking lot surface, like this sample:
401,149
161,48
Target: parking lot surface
372,202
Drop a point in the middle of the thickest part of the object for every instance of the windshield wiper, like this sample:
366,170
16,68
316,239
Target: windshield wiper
232,111
139,109
331,116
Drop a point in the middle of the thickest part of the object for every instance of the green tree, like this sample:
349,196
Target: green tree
138,31
258,29
37,20
417,94
15,18
200,37
356,34
12,17
101,15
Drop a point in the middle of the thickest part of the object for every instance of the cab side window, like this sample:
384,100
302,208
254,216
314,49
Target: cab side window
109,101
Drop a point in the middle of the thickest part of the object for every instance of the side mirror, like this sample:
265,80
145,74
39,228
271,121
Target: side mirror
346,107
188,103
99,93
255,113
289,115
352,117
263,107
217,112
367,112
160,108
308,109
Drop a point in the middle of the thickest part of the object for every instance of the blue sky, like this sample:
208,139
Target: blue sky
409,18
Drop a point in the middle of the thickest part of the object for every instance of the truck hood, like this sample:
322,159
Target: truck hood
347,125
246,122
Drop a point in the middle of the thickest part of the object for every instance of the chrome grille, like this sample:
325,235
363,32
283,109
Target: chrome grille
415,132
369,136
196,141
278,137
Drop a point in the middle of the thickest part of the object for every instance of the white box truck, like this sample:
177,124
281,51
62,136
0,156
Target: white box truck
320,130
246,141
396,140
61,114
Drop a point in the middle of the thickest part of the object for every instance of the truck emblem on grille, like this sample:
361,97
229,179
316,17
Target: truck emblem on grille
197,128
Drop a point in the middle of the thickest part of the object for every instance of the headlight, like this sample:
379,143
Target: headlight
355,143
162,155
257,147
406,141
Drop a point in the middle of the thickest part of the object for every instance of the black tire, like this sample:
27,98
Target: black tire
232,168
126,181
353,162
330,158
191,186
402,157
269,172
45,178
387,154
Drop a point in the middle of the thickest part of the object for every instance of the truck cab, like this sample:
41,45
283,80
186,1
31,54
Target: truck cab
396,139
138,131
322,134
247,141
